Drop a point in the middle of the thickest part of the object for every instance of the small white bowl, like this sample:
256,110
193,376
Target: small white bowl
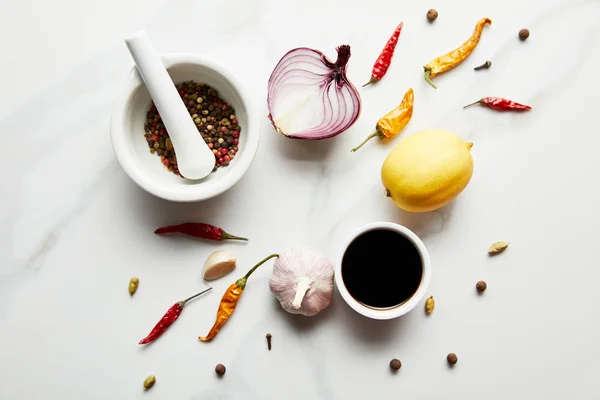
387,313
145,168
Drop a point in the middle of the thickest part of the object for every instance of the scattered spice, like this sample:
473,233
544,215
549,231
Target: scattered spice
207,109
500,104
429,305
133,285
198,230
481,286
269,336
167,320
497,248
220,369
229,302
452,358
149,382
455,57
432,15
395,364
523,34
393,122
485,65
385,58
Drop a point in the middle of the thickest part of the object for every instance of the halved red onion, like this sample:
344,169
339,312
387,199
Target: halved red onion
310,97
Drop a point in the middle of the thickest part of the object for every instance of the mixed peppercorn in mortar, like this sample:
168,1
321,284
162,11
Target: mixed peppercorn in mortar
214,118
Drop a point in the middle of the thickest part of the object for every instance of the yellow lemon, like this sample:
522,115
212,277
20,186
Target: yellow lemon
427,170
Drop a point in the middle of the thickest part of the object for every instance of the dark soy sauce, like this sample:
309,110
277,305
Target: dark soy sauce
382,269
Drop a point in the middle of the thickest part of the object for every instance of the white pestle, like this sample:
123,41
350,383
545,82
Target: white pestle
195,159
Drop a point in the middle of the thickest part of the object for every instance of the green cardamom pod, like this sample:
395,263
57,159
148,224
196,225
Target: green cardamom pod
133,285
429,305
497,248
149,382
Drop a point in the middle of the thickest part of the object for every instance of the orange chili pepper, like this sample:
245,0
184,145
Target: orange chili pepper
455,57
229,302
393,122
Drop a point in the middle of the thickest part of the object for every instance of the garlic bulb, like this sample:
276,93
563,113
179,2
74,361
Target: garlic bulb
218,264
302,281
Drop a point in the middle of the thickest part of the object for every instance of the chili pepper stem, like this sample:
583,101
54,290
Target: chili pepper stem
428,79
371,81
227,236
371,136
184,302
242,282
472,104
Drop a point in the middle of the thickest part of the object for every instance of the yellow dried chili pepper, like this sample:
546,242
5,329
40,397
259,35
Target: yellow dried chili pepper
452,59
229,302
393,122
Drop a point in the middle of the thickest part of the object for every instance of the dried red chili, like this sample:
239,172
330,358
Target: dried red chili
198,230
167,320
385,58
500,104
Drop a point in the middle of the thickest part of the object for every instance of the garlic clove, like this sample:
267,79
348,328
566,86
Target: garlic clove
218,264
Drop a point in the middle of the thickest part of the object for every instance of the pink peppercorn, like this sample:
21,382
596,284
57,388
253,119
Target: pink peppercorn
223,129
155,138
226,158
224,150
221,160
235,141
235,134
232,152
211,145
224,108
166,162
234,121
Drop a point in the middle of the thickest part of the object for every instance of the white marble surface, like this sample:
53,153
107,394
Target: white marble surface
75,228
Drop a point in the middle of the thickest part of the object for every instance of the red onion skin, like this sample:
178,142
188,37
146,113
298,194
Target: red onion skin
337,76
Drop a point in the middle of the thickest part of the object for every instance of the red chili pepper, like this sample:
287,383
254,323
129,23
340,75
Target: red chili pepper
385,58
167,320
199,230
498,103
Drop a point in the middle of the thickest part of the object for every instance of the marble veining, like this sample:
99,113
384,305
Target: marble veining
75,228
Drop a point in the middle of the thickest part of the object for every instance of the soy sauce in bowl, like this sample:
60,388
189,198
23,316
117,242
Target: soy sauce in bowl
382,269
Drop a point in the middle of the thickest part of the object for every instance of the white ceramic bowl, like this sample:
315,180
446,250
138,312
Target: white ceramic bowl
145,168
387,313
